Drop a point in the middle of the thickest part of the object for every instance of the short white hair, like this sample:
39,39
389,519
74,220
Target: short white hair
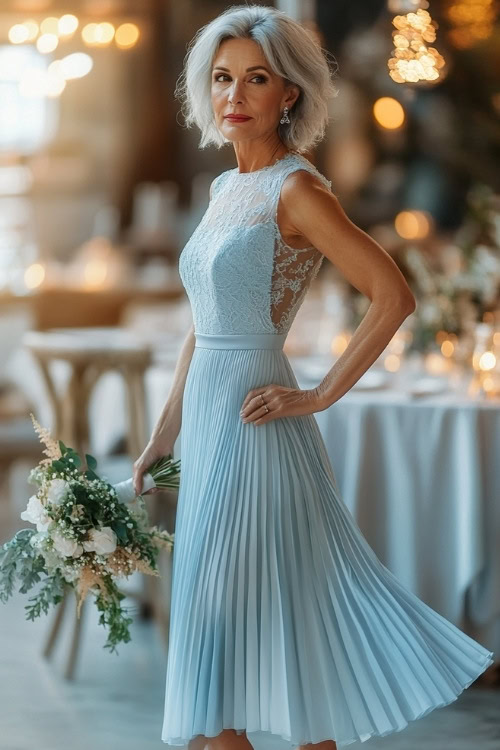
291,53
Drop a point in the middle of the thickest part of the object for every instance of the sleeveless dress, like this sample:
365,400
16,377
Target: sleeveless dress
284,623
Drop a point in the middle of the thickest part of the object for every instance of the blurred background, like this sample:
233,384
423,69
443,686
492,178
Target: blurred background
100,187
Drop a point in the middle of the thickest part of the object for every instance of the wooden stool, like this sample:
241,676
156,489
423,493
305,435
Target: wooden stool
91,352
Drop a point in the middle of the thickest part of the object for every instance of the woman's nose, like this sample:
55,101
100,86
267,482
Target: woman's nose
234,93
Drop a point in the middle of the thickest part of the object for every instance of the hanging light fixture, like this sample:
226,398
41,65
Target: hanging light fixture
413,60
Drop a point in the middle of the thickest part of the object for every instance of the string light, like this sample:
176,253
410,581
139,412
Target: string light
47,35
413,59
63,28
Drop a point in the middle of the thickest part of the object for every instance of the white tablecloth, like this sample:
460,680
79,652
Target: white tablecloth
422,479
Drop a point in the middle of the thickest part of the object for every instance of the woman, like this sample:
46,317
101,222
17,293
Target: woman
286,629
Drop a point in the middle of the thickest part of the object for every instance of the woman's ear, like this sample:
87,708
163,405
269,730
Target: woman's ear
292,95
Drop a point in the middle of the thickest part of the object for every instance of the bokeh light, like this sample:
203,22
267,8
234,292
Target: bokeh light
50,25
68,24
47,43
389,113
18,34
127,35
412,225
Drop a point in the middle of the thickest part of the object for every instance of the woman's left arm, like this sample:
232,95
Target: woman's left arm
316,214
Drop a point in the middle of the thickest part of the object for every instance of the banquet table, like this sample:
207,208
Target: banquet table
421,476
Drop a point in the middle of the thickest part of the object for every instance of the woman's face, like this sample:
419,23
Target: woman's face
244,84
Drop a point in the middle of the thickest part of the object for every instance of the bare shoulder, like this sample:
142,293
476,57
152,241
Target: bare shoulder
301,185
305,198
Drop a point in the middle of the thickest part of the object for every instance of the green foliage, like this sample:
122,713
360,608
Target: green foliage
166,472
113,616
91,461
50,593
20,561
18,558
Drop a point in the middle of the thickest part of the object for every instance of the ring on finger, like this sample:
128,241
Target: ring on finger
264,403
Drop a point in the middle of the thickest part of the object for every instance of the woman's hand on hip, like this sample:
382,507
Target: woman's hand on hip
280,401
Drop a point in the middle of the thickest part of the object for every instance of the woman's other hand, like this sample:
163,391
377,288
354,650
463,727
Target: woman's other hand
154,450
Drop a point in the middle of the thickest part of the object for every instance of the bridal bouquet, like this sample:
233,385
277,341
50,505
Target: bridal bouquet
89,533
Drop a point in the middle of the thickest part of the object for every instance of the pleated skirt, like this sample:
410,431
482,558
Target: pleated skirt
284,623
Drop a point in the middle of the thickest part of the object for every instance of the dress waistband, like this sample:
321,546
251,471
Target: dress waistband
240,340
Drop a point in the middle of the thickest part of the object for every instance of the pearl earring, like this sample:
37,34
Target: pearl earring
285,117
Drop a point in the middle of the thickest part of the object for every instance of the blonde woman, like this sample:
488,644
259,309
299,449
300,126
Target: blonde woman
286,629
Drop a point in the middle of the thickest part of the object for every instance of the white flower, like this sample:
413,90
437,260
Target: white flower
35,476
102,541
58,491
35,513
66,547
37,540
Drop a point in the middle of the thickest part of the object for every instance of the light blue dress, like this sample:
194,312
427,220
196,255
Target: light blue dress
284,623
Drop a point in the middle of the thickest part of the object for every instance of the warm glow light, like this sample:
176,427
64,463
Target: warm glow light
441,336
32,27
339,343
89,33
412,225
98,34
50,25
436,364
397,344
76,65
127,35
106,32
47,43
388,112
55,68
18,33
68,24
34,275
54,84
471,21
392,362
447,348
95,272
488,384
487,361
413,60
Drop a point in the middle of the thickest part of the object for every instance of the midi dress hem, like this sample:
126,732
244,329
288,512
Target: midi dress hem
488,661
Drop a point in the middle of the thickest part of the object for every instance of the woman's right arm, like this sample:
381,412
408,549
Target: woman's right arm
168,425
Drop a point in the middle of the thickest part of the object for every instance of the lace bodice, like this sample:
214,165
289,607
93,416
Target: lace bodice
238,273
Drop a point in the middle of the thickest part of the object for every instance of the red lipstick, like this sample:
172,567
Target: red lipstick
237,118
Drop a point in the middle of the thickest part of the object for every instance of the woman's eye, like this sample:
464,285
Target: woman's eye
261,79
